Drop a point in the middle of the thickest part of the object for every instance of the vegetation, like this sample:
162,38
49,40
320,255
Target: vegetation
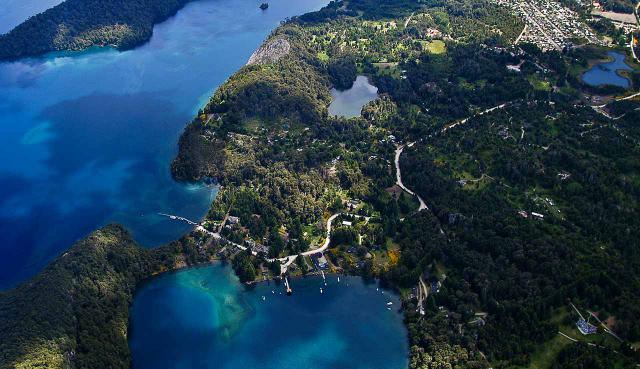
79,24
75,313
532,205
535,155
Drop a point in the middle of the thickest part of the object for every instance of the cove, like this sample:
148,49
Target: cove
607,73
349,103
87,138
204,318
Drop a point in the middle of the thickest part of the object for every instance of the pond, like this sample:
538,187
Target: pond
87,138
607,73
349,103
204,318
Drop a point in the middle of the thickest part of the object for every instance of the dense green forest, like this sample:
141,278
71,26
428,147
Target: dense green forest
75,313
532,206
543,152
79,24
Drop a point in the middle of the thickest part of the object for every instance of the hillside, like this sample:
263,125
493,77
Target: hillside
507,276
75,313
531,193
80,24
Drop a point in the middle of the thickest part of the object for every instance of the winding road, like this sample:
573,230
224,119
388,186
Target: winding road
423,205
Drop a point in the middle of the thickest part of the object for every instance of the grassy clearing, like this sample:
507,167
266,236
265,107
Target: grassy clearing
388,69
538,84
434,47
323,56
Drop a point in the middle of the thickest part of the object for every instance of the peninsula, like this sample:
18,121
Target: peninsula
80,24
484,184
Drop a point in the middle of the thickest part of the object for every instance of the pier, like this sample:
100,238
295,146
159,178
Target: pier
286,283
176,217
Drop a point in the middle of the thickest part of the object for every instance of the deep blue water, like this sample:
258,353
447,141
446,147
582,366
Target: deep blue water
204,318
606,73
14,12
349,103
87,138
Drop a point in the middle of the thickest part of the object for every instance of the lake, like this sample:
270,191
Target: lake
15,12
204,318
87,138
606,73
349,103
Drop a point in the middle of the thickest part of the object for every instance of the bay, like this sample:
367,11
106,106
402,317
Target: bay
204,318
87,138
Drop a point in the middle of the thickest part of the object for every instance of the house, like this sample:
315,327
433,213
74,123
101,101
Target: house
233,220
537,215
347,223
523,214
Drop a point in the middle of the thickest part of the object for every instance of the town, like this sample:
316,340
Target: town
550,25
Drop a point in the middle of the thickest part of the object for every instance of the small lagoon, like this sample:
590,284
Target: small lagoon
349,103
607,73
204,318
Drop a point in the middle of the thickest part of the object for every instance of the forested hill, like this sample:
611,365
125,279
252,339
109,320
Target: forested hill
79,24
75,313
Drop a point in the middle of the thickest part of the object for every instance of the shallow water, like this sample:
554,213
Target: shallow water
87,138
204,318
349,103
606,73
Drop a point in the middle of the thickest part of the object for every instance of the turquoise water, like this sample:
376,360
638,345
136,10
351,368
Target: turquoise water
87,138
204,318
349,103
606,73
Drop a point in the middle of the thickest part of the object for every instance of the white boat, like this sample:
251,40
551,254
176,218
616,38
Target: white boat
389,309
389,303
320,289
338,279
263,298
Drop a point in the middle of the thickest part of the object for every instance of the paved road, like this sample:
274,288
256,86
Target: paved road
423,205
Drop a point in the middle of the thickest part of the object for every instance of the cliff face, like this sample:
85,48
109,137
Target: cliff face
271,52
80,24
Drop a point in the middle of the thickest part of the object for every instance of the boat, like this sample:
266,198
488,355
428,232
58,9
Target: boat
389,303
320,289
264,6
263,298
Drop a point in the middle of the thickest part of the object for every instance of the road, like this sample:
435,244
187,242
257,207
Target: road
406,23
633,51
423,205
286,261
520,35
465,120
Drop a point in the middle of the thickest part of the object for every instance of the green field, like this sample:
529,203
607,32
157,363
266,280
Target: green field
434,47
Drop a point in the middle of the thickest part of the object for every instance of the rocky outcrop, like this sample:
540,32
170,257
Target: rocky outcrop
270,52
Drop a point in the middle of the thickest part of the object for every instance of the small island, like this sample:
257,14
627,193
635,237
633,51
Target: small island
264,6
